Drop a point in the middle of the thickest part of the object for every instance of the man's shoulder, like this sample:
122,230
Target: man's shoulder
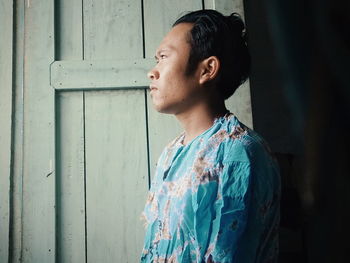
242,143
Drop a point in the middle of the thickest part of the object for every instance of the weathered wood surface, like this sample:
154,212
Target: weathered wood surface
38,213
226,7
116,144
116,174
100,74
69,30
70,172
240,104
209,4
15,241
112,29
6,52
70,156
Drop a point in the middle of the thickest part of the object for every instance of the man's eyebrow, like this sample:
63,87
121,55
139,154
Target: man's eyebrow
169,48
158,52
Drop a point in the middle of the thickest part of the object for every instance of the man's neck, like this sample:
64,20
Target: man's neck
199,118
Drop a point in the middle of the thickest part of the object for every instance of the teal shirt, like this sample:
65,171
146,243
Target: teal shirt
215,199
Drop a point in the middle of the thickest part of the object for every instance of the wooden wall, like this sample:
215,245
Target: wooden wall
79,137
6,53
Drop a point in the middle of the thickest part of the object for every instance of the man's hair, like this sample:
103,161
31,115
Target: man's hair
214,34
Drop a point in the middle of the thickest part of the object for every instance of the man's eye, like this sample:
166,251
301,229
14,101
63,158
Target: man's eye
160,58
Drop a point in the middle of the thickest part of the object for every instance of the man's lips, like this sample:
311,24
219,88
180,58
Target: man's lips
152,87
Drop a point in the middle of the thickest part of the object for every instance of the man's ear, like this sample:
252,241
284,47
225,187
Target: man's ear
209,69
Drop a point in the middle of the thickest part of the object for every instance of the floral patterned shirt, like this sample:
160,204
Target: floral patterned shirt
215,199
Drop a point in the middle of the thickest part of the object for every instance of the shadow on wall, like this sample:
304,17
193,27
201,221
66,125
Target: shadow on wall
301,103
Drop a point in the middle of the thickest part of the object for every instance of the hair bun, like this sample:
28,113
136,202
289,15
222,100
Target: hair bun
236,25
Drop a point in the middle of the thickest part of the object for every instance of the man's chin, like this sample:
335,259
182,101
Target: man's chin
163,110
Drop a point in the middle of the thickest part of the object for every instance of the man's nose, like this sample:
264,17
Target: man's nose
153,74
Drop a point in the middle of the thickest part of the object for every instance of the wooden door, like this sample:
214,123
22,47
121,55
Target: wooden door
90,135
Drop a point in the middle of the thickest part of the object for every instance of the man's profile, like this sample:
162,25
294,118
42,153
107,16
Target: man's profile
215,193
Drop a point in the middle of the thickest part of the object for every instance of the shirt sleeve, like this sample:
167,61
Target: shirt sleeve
222,212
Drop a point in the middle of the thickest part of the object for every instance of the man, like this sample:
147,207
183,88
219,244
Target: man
215,194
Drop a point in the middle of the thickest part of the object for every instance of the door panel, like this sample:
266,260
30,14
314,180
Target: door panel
70,181
116,174
112,29
6,76
69,30
38,178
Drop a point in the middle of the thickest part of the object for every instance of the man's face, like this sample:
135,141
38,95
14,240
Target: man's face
172,91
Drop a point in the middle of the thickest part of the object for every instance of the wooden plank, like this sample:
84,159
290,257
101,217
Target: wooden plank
116,187
70,177
103,74
17,133
70,168
116,174
159,17
112,29
69,30
6,52
209,4
38,216
227,7
240,104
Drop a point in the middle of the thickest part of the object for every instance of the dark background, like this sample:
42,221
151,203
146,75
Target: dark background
300,95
